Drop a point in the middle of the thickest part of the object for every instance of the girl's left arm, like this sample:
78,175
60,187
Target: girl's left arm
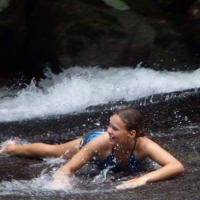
170,166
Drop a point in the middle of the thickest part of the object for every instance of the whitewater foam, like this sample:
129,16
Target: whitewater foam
77,88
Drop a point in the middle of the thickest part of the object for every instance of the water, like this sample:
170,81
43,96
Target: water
61,107
77,88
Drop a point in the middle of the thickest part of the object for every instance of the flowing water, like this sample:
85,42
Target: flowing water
64,106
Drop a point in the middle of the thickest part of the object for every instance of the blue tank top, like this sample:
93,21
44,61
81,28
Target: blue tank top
109,162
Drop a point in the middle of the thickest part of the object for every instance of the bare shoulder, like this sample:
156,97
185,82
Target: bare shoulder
99,143
144,146
144,142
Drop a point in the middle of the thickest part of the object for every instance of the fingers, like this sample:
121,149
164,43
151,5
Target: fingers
58,185
132,183
60,181
126,185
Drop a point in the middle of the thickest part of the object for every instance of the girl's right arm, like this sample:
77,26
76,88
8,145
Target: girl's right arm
94,148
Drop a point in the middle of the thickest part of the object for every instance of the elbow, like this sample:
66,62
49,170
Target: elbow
180,168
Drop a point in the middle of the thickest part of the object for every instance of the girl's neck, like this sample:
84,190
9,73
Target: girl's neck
126,148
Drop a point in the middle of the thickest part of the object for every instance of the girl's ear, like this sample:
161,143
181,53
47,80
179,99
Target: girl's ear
133,133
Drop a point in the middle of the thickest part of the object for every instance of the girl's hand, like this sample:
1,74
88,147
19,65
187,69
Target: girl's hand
60,182
59,185
137,182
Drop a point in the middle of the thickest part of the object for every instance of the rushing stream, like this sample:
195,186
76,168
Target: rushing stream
64,106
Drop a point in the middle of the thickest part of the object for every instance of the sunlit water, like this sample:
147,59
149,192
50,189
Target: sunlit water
77,88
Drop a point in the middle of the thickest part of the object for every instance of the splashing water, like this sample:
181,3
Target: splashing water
102,176
42,186
77,88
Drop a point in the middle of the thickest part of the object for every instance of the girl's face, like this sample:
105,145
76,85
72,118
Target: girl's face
118,134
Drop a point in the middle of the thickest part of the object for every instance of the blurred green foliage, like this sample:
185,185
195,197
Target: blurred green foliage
4,4
117,4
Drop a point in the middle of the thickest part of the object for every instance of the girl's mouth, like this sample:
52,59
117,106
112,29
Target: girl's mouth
111,137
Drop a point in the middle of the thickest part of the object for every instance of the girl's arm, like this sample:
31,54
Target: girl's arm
62,177
170,165
95,147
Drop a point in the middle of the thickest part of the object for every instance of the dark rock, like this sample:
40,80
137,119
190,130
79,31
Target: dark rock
34,33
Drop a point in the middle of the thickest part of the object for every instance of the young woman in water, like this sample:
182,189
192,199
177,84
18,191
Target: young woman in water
123,147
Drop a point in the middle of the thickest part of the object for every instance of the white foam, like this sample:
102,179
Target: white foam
43,185
77,88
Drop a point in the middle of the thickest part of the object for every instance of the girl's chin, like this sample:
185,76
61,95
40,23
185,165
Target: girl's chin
113,142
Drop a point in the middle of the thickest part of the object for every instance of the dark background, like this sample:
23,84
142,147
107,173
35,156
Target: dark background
159,34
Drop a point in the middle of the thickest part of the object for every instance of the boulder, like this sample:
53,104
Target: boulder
104,33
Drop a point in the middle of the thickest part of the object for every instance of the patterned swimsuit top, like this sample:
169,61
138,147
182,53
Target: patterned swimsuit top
110,162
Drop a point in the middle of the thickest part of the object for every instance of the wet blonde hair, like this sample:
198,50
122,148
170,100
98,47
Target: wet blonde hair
133,120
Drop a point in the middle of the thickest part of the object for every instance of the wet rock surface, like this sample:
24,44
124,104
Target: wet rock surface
165,123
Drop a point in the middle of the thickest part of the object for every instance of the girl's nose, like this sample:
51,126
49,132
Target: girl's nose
109,129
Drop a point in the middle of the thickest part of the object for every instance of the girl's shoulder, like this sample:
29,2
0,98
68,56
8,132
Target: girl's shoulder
101,142
100,146
143,141
142,146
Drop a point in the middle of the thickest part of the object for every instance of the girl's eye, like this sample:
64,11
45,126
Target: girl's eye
114,128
